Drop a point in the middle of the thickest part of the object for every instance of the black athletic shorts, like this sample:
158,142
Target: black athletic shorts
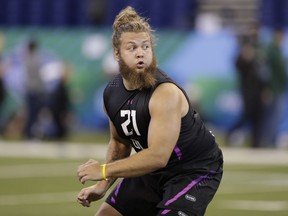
186,195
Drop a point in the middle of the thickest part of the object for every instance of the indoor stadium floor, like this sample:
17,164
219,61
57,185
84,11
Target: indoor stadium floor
40,179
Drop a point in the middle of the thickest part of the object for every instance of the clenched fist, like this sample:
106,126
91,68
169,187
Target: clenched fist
90,194
91,170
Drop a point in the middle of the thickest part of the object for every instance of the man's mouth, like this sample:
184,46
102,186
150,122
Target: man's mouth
140,65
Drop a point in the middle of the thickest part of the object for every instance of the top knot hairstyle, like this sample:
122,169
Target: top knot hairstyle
128,20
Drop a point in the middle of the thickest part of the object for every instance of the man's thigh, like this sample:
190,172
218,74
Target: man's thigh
107,210
189,196
135,196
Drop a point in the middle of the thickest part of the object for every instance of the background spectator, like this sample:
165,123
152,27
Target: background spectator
34,87
251,87
275,84
2,87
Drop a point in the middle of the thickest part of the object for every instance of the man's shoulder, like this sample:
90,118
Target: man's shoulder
162,77
115,81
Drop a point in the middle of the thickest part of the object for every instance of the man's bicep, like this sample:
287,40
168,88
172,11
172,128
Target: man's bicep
165,123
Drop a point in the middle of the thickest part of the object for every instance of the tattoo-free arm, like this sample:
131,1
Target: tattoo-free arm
117,150
92,170
167,107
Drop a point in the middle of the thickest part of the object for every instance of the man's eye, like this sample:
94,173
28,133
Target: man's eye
145,47
131,48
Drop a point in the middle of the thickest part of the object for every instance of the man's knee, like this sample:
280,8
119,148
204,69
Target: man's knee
107,210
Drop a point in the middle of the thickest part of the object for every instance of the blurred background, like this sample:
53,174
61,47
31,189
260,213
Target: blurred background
56,58
198,45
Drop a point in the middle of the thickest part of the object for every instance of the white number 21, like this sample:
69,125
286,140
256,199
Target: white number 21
129,114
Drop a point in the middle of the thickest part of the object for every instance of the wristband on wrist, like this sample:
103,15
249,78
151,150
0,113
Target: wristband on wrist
104,172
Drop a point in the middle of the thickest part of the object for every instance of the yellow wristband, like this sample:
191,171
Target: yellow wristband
104,171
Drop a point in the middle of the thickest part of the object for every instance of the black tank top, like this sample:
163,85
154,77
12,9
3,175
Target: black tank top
129,112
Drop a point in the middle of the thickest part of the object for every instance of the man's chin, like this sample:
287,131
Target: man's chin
140,69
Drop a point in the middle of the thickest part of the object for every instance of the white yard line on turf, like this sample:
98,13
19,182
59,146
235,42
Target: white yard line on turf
68,197
250,190
81,151
254,205
32,199
38,170
52,150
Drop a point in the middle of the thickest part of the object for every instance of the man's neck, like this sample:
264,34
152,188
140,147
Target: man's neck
129,86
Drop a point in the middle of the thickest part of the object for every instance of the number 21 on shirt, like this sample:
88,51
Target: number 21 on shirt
130,115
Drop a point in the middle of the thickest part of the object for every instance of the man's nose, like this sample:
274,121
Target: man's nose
139,53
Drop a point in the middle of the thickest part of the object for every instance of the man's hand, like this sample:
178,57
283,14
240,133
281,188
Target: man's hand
90,194
91,170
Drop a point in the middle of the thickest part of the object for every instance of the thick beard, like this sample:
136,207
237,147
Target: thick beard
139,80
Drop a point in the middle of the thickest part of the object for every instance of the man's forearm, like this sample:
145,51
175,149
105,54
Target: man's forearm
116,151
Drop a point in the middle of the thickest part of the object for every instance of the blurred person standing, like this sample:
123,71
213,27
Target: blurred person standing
275,84
34,87
59,102
248,65
2,69
52,120
2,86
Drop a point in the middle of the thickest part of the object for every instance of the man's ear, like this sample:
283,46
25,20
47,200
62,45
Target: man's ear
117,54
